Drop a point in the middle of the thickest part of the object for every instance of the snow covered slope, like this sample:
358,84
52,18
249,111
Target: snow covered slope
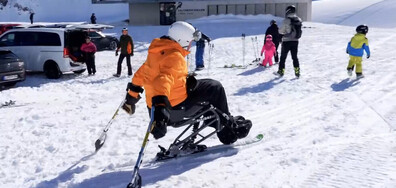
374,13
322,130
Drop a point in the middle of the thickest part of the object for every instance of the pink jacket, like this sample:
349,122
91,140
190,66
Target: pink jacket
268,47
88,47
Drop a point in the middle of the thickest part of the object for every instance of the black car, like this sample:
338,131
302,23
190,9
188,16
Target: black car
12,69
103,42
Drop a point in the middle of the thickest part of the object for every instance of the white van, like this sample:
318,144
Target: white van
48,50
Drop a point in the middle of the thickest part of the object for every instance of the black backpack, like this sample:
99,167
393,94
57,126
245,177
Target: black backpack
296,25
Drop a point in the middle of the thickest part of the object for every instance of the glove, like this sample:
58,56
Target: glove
130,104
161,115
347,51
130,101
161,119
116,53
368,56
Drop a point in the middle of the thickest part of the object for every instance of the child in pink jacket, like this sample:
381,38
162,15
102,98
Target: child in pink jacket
269,48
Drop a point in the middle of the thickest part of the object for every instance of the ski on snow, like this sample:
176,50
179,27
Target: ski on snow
203,149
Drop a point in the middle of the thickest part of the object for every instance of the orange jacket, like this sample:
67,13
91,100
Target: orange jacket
164,72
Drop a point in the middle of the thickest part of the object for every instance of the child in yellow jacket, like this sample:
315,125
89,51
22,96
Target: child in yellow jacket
356,46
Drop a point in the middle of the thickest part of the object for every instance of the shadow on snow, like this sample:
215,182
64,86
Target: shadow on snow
151,172
344,84
260,87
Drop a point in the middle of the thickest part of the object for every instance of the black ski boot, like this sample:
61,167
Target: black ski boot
281,72
297,71
237,127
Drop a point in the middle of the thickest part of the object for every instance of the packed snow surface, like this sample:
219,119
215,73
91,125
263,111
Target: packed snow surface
325,129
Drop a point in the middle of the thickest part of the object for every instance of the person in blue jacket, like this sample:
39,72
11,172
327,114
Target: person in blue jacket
199,60
356,46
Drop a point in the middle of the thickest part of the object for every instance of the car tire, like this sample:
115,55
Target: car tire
51,70
113,45
79,71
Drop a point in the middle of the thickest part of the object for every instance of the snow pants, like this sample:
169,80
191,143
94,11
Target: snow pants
128,60
287,46
355,60
199,60
268,58
90,62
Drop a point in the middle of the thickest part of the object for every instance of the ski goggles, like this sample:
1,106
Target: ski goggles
197,35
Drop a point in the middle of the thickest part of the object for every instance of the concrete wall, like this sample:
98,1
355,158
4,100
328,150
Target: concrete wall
231,9
144,14
240,9
250,9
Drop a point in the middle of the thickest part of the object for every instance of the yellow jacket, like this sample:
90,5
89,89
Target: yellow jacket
164,72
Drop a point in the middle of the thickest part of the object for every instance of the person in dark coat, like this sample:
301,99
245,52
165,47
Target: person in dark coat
199,60
31,17
126,46
273,30
89,50
93,18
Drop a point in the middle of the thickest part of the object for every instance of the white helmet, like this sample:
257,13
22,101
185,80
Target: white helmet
183,33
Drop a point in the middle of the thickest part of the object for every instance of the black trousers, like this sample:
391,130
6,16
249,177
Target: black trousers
291,46
90,62
128,60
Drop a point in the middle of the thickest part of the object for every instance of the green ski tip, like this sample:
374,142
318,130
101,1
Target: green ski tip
260,136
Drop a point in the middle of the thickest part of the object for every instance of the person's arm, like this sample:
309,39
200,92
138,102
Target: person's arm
83,47
366,48
205,37
132,46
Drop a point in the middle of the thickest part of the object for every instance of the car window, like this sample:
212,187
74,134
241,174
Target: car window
93,35
48,39
8,40
7,55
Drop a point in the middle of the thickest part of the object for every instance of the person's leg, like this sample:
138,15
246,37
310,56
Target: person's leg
120,59
88,63
294,51
358,62
284,51
93,64
128,59
276,52
269,56
199,56
211,91
351,63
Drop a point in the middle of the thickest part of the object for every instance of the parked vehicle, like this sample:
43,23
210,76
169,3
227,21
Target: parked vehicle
12,68
6,27
54,51
103,41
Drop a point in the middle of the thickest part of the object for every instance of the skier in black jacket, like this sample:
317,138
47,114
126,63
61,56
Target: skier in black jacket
273,30
126,46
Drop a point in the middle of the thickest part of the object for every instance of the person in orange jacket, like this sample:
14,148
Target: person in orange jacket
164,78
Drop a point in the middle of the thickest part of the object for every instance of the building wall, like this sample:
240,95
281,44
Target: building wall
148,13
144,14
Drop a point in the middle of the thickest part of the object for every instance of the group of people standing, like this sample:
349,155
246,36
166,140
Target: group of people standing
289,35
